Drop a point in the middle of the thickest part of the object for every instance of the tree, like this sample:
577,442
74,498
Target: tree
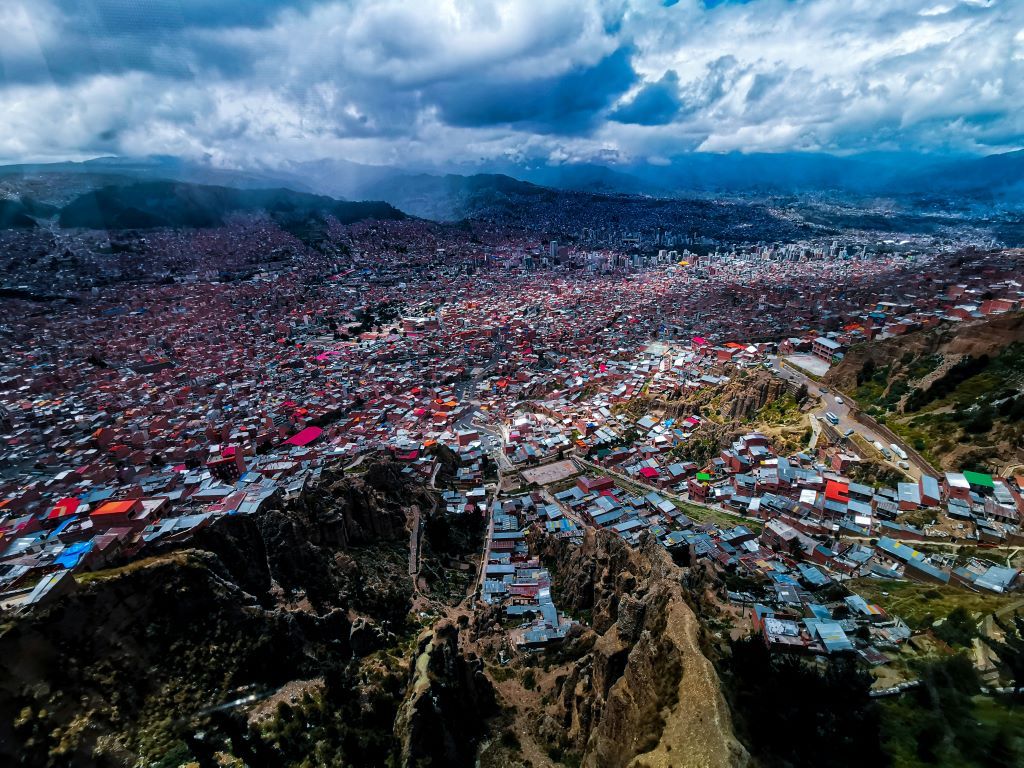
958,628
981,421
866,372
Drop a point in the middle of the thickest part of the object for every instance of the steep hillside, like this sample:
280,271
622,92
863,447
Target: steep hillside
174,204
633,689
308,604
954,392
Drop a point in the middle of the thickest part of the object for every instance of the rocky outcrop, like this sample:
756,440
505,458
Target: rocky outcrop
82,679
447,702
745,398
298,549
119,671
645,694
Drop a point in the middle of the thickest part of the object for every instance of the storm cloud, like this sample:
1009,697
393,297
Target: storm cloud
436,81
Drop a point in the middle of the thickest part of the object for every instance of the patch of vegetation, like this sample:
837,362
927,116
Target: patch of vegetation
501,674
529,679
958,628
920,605
718,516
946,723
699,449
636,407
877,389
922,366
351,722
871,472
945,385
782,410
973,380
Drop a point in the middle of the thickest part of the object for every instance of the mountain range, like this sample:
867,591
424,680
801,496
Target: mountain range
997,179
179,204
448,193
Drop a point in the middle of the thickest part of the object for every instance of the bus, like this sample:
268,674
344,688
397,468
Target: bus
898,451
832,418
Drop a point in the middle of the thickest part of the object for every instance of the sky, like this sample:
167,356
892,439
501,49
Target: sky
249,83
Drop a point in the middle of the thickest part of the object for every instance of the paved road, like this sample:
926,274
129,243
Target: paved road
493,442
575,518
830,401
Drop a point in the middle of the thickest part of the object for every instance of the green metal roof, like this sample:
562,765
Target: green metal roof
977,478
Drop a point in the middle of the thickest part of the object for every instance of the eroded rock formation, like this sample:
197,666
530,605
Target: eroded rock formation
645,694
122,669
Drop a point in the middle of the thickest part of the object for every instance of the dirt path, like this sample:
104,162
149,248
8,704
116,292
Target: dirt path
414,545
948,361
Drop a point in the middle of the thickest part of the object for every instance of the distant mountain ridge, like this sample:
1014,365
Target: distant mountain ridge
174,204
995,177
792,172
438,194
994,174
127,170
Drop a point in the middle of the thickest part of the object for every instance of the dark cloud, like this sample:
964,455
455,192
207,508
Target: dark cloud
553,80
142,16
83,38
656,103
569,102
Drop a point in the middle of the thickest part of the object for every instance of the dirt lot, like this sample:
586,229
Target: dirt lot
550,473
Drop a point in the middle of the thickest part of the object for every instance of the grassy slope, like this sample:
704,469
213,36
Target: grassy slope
916,602
953,417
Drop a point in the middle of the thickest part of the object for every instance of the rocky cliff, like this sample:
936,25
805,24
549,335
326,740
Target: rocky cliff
644,694
447,703
744,395
743,398
313,596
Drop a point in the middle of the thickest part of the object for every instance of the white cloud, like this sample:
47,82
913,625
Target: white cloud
387,80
